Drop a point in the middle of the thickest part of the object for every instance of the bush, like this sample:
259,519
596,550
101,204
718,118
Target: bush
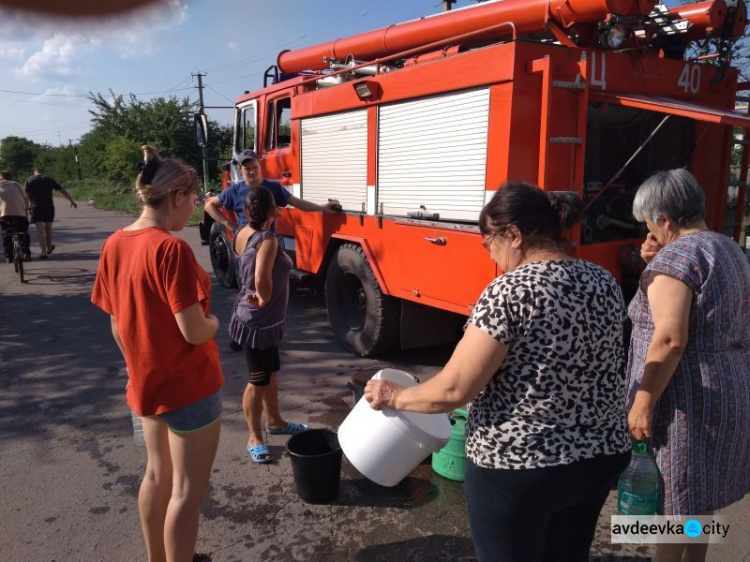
114,197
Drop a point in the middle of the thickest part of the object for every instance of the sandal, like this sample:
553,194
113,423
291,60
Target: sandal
260,453
291,428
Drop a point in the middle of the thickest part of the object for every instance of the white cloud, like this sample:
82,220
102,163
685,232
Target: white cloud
142,34
233,46
56,59
132,34
67,94
10,51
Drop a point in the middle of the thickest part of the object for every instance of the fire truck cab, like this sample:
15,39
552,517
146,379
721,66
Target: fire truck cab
414,127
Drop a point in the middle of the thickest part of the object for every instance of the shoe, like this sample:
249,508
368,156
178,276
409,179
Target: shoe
51,249
291,428
260,454
234,346
43,257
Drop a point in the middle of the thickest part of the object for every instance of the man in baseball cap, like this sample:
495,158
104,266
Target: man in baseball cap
233,198
246,155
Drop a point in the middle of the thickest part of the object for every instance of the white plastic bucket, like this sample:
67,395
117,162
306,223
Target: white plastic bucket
386,445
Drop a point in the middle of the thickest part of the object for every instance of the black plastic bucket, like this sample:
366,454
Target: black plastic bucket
316,464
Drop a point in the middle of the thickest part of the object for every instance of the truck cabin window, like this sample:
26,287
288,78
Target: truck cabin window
614,133
247,138
279,123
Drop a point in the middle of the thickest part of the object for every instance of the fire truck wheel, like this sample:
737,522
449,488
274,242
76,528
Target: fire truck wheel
219,248
365,320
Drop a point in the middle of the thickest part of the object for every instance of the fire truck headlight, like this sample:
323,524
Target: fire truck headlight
614,36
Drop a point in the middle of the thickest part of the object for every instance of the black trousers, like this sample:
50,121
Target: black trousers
539,515
8,226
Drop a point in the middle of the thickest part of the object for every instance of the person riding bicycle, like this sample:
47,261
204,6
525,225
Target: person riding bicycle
14,206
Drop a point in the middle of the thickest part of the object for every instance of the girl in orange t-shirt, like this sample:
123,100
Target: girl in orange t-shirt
158,298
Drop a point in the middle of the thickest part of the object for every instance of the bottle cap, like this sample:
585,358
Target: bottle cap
640,446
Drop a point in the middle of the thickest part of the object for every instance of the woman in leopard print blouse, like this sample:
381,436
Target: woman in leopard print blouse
543,361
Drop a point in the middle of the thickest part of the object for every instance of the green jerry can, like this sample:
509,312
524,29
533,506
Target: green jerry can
450,461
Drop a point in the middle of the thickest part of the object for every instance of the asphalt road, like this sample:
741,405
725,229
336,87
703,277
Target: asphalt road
70,471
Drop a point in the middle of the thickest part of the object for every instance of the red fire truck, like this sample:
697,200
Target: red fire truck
415,126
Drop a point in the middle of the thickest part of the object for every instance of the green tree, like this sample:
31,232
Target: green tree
18,155
166,123
121,157
219,149
57,162
92,149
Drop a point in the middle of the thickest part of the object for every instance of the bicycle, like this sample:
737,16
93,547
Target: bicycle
18,253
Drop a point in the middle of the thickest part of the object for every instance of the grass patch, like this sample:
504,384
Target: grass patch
115,197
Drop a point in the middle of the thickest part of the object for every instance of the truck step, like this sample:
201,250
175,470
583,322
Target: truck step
302,277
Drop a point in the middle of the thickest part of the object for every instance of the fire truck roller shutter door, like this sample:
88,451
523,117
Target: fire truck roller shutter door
334,159
364,320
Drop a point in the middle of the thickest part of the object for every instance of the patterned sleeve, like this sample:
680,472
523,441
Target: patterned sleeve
677,261
493,315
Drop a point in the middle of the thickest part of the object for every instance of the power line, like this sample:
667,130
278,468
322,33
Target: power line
46,132
52,129
45,103
38,94
218,92
87,95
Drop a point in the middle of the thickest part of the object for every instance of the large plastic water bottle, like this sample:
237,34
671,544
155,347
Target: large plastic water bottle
638,487
137,430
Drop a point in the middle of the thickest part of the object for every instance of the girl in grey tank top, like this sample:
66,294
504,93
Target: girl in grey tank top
261,327
257,321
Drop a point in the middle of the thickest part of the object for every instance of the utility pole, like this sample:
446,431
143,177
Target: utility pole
75,152
204,149
447,5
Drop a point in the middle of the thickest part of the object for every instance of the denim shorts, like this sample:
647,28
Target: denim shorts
195,416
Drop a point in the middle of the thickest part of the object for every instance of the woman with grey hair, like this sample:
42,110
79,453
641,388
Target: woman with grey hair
689,363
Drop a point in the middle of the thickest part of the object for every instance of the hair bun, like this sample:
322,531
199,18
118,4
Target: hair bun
554,201
149,171
567,207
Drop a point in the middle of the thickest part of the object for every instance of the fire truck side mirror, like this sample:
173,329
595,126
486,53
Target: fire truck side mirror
201,129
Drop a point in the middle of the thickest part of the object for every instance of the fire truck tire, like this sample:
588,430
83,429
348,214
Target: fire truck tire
364,320
219,249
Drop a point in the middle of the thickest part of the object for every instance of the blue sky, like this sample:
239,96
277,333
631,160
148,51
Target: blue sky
48,66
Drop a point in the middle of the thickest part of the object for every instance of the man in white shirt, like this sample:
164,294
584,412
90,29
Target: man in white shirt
13,208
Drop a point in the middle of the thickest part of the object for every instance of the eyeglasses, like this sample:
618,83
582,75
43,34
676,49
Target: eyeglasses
487,241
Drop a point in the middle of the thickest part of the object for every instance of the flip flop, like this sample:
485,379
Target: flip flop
291,428
260,453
